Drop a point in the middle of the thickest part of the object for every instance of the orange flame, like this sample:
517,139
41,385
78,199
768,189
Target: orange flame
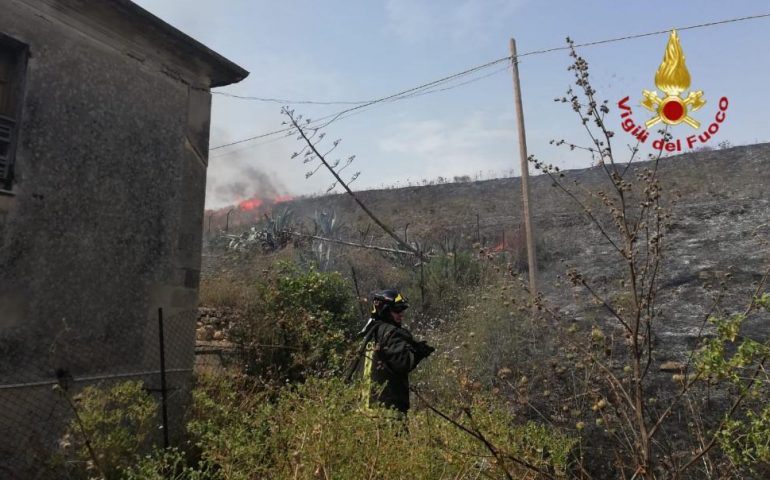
256,202
251,204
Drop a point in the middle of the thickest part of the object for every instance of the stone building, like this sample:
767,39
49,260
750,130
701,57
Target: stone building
104,130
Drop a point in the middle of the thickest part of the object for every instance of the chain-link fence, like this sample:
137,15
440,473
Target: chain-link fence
39,407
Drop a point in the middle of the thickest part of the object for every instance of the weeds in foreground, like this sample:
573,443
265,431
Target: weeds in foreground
317,430
109,427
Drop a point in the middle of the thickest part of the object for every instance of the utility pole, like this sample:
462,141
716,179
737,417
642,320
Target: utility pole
527,212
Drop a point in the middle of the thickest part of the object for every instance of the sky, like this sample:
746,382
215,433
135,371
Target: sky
344,51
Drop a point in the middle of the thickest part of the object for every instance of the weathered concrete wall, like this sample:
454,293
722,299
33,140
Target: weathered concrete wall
104,225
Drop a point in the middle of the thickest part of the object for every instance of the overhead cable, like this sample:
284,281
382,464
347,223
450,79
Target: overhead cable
429,87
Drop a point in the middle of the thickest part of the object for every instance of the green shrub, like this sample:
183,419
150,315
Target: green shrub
296,324
230,426
446,273
170,464
115,422
325,295
732,358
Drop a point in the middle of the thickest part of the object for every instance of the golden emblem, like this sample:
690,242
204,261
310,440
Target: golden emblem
672,78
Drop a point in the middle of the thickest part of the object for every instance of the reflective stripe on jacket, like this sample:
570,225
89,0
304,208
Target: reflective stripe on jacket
389,356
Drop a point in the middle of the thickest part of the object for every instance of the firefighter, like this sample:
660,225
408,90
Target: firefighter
390,353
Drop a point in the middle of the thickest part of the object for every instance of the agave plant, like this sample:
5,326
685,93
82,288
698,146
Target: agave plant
270,236
327,226
280,227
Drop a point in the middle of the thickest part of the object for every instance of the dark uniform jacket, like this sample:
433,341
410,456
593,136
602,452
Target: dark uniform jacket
390,354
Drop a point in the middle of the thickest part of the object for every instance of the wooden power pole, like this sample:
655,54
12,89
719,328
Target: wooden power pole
531,256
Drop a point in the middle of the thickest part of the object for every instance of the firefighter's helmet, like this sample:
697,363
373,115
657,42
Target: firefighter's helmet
390,299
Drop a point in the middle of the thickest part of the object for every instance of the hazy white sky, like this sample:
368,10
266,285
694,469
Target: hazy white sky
359,50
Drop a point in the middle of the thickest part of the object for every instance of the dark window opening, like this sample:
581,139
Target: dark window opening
13,65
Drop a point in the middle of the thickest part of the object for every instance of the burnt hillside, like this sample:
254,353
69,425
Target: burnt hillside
699,177
721,218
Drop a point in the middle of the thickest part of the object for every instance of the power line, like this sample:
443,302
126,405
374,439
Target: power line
263,135
444,89
648,34
289,102
425,89
410,92
347,114
248,147
353,102
405,93
535,52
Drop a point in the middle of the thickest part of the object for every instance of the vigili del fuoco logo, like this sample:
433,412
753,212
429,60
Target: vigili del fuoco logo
672,78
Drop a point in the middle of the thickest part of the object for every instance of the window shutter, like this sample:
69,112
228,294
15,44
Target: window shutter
13,69
6,137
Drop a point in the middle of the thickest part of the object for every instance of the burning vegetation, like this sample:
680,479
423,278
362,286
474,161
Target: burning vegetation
243,213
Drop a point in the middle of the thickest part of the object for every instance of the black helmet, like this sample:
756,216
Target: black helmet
389,299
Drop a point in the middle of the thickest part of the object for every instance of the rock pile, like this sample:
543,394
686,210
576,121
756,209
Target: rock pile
212,340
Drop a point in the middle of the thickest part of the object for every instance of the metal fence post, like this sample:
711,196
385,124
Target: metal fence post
163,378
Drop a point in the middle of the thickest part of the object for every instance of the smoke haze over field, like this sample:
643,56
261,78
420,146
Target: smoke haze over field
252,183
242,175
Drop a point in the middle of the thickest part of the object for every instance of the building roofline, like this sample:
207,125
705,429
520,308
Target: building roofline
220,71
148,34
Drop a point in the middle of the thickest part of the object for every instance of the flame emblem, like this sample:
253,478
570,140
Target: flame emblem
672,78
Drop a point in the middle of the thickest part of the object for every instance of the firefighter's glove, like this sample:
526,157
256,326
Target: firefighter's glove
423,349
